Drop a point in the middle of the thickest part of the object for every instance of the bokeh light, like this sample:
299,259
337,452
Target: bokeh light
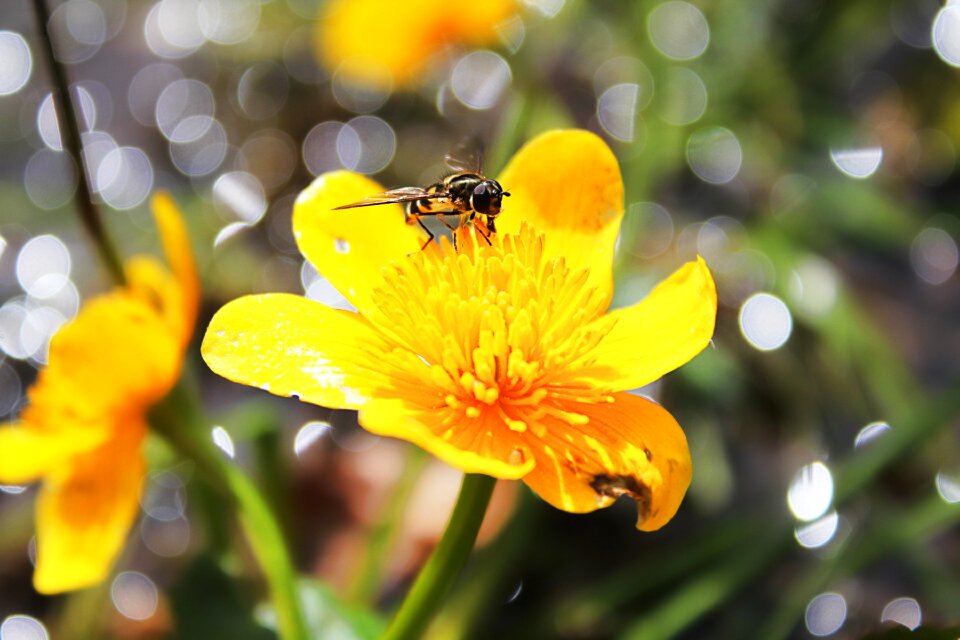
617,110
826,614
625,70
857,163
308,435
228,21
945,34
124,177
366,144
765,321
682,97
948,486
198,145
321,147
318,288
262,90
43,266
22,627
547,8
134,595
355,97
239,197
678,30
818,533
479,79
715,155
221,437
145,88
934,255
79,28
904,611
814,287
184,101
48,126
811,492
164,497
13,315
166,538
16,62
870,433
658,227
50,179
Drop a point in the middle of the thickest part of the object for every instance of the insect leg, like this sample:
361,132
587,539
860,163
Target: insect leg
444,221
430,235
452,229
484,231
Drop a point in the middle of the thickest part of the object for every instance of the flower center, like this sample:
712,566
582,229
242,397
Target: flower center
491,329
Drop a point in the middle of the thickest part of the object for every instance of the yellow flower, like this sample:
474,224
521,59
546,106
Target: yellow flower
498,359
85,421
382,43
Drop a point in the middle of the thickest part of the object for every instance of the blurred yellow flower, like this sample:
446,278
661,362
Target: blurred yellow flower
382,43
85,421
499,359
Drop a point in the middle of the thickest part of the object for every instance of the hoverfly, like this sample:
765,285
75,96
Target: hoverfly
465,193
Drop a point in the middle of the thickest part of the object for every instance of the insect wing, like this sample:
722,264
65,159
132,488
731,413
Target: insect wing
466,157
405,194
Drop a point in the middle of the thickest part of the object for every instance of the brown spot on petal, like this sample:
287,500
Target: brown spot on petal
614,486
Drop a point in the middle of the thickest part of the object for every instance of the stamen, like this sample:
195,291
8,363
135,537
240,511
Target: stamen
499,326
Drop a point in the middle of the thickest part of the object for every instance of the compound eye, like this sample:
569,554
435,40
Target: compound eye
480,199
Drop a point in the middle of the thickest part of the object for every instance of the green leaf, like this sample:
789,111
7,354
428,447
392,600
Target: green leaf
207,603
329,617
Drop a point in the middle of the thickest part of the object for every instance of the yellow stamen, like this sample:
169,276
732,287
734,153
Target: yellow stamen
500,325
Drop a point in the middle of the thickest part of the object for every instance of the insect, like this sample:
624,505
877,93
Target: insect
465,193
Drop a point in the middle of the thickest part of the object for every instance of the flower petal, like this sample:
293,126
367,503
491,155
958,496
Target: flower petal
291,346
477,445
567,184
359,38
349,246
630,446
85,511
27,452
478,23
115,354
663,331
179,255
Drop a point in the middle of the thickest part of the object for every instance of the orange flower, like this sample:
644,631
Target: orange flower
497,359
381,43
86,419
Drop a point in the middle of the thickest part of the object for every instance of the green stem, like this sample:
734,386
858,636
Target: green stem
266,539
441,571
476,600
70,135
178,421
